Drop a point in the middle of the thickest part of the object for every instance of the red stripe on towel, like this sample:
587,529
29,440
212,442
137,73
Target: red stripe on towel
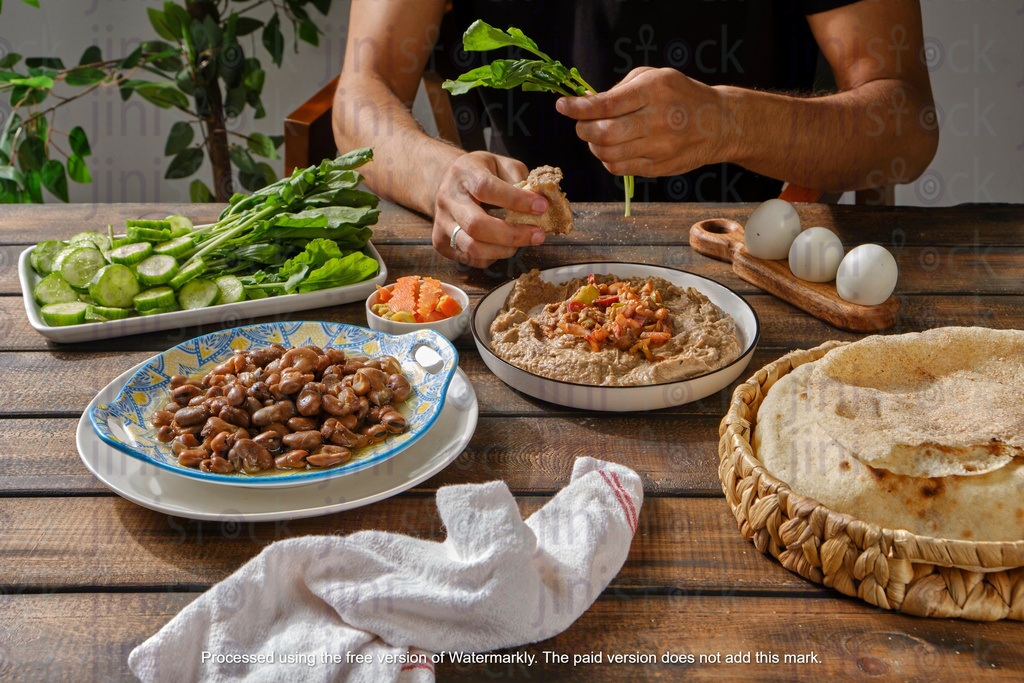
619,496
629,500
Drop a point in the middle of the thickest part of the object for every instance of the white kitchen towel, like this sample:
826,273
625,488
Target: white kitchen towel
372,606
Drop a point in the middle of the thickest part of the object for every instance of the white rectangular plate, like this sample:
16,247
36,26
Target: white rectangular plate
226,315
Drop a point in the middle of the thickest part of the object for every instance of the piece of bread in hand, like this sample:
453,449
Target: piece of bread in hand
557,219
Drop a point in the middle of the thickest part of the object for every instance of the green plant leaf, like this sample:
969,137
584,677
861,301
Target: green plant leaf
159,22
309,32
33,187
261,176
31,154
161,93
273,39
179,21
183,79
185,163
241,158
232,62
37,82
262,145
199,192
246,25
77,169
85,76
162,55
322,6
12,174
132,60
9,60
45,62
481,37
253,80
179,138
54,179
34,3
79,142
92,55
23,95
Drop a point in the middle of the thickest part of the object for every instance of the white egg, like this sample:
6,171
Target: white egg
815,255
867,275
771,229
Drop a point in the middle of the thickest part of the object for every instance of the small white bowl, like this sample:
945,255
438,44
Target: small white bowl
451,328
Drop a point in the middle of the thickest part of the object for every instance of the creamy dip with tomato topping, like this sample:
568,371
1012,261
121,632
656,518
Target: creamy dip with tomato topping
531,333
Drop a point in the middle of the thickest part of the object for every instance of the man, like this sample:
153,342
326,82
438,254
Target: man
706,125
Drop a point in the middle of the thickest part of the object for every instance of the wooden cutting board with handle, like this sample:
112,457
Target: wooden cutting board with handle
722,239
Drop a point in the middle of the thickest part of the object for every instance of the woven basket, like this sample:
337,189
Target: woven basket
893,569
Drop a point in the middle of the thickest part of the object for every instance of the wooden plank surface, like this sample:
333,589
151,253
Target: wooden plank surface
87,575
107,542
674,457
781,324
661,224
89,637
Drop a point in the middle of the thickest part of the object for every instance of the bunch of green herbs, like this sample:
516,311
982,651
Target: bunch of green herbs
542,74
299,234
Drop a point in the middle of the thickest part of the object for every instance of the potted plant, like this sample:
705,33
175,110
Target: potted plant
196,63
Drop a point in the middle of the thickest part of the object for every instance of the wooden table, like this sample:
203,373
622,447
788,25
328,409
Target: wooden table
86,575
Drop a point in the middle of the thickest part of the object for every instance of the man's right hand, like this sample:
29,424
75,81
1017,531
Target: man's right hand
472,181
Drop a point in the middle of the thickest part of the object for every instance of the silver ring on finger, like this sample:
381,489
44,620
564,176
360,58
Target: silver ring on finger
452,242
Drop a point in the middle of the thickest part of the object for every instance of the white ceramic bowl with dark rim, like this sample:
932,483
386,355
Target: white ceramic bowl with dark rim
450,328
620,399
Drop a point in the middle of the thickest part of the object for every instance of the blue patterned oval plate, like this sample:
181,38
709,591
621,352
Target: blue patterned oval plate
428,360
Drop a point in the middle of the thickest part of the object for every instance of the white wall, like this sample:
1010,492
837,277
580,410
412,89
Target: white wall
975,49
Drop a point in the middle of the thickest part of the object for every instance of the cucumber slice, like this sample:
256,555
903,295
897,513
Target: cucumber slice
231,289
115,285
191,271
121,241
158,311
58,260
179,246
80,266
149,224
180,225
137,234
53,289
59,315
130,254
104,313
41,258
158,269
97,239
158,297
85,298
198,293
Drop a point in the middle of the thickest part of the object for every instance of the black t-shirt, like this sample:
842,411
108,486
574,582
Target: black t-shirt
748,43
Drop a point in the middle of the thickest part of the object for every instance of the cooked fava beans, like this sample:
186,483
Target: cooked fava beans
290,409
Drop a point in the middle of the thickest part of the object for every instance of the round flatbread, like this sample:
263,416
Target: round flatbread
923,432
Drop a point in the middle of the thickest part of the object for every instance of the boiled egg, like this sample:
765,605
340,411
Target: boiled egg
867,275
815,255
771,229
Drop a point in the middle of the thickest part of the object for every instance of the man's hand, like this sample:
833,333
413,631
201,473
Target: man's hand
656,122
473,180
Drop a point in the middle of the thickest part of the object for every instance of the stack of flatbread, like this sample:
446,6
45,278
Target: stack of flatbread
923,432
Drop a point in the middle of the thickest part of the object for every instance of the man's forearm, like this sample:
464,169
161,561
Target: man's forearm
408,164
878,134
